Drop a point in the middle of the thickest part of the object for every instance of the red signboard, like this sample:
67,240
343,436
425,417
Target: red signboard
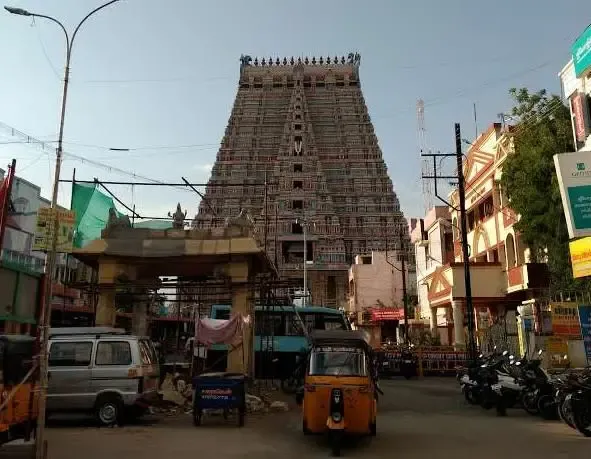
381,314
580,127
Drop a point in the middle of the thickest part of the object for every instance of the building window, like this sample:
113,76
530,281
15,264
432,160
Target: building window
298,184
486,208
331,288
297,204
298,168
298,127
296,228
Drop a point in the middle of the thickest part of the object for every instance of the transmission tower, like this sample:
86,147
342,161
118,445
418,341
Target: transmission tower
425,163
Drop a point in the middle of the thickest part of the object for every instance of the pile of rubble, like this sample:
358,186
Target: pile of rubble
177,397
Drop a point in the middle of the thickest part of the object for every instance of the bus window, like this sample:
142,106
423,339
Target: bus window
221,314
293,326
310,321
269,324
333,322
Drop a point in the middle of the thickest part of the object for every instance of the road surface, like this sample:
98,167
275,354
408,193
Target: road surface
417,419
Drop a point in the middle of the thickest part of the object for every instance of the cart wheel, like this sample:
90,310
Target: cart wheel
240,418
197,416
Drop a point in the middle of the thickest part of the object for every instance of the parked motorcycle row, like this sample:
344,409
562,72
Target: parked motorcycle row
502,381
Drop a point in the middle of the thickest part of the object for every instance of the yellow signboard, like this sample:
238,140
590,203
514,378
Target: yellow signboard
580,256
44,232
557,349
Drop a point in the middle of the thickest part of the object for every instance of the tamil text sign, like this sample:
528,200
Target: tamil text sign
46,225
565,320
574,178
581,51
380,314
580,257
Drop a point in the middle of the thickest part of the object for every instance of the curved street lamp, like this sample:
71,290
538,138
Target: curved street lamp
45,319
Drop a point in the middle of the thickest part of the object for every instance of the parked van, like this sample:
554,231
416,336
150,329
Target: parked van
101,370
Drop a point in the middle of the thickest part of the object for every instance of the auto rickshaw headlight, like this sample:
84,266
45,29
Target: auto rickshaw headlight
336,417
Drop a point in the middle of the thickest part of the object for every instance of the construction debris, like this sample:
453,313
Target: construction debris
177,397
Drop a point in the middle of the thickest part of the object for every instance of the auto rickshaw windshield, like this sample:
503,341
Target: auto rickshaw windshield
338,362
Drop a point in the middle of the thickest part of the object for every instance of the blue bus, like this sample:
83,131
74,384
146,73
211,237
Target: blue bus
278,331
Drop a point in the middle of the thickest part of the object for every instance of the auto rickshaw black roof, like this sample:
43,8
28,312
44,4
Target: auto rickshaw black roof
356,338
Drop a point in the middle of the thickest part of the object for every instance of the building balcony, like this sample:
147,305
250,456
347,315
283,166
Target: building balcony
527,276
447,283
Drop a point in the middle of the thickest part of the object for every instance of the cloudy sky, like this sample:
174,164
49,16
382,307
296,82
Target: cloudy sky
159,78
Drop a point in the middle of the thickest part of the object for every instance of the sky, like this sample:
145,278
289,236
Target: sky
159,78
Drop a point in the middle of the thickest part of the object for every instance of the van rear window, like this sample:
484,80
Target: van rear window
113,353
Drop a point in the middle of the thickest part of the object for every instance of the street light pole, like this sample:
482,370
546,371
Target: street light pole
50,260
304,223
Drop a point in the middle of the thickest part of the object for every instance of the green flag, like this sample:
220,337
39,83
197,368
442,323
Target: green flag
92,212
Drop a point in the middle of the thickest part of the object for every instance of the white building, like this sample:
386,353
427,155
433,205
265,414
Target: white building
434,248
17,246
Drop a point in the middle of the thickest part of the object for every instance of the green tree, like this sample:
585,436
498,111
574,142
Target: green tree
543,129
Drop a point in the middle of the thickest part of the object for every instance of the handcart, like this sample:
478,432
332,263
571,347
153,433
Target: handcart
219,391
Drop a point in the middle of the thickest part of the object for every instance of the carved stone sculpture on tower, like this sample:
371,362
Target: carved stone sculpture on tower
178,218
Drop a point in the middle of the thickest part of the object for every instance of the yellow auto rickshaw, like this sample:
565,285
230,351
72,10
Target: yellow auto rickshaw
339,396
18,388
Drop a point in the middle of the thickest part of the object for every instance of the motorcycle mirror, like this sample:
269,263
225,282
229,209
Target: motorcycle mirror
480,356
483,365
540,352
517,364
565,357
505,352
512,357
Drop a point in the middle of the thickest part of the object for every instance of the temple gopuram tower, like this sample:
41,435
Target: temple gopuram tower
303,126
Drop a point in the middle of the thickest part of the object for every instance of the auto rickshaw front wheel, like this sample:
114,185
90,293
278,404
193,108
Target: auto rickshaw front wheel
336,440
373,428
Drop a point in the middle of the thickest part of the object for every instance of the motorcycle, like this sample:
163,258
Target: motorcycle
574,398
539,394
408,362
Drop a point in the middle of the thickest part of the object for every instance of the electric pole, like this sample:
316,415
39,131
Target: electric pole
461,209
403,249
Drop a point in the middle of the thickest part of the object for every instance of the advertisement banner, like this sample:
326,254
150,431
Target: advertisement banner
574,179
44,231
580,257
578,101
585,319
565,320
581,51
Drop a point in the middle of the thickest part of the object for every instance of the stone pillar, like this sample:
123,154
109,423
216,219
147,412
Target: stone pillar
107,274
241,359
433,321
458,315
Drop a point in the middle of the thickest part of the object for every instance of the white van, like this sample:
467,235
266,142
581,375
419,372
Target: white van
101,370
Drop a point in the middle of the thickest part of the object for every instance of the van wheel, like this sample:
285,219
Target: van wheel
109,410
